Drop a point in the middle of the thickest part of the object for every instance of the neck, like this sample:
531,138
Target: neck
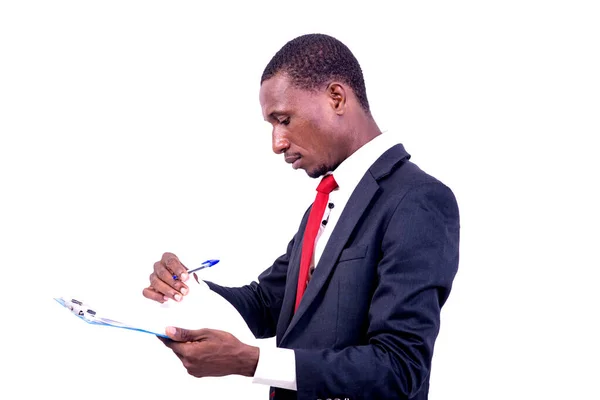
364,129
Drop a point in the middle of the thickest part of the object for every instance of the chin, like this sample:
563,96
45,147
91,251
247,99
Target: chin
318,171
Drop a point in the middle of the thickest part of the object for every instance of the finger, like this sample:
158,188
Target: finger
169,274
168,291
177,269
152,294
186,335
164,340
177,347
165,275
180,349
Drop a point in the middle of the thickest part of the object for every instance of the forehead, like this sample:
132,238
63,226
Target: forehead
278,95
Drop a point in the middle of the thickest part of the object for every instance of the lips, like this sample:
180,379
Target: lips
294,160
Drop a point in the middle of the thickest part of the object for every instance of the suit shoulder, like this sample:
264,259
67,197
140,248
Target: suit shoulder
409,182
408,175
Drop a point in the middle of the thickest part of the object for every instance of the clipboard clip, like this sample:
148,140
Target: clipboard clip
89,315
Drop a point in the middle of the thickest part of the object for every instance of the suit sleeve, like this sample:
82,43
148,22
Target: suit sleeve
419,259
260,303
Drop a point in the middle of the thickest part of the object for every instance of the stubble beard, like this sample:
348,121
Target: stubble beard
320,171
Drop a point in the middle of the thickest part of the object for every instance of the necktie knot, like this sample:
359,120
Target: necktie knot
327,185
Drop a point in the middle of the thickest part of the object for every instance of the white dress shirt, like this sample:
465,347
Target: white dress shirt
277,366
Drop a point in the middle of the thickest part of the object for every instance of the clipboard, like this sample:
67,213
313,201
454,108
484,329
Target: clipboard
91,315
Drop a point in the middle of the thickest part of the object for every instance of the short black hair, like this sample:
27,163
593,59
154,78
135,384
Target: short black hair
315,59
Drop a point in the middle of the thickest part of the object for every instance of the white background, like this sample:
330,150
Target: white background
131,128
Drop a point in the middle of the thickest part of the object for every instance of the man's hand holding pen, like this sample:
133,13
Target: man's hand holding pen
203,352
163,285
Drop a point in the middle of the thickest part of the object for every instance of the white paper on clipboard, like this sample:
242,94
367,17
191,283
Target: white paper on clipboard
147,316
89,314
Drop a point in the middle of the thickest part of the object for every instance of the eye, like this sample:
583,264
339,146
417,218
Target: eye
285,121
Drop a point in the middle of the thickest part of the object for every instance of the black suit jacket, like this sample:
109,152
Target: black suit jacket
367,323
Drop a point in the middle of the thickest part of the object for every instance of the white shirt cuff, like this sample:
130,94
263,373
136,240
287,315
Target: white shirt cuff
276,367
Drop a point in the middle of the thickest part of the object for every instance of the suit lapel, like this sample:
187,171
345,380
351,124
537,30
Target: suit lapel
291,283
356,206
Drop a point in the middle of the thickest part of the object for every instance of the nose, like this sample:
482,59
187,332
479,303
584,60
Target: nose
280,142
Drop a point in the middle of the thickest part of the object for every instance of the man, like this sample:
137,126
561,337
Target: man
355,300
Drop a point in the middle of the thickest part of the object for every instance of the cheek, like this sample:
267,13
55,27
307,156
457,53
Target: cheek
313,133
304,134
317,132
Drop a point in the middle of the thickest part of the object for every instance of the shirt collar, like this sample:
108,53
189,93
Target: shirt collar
351,170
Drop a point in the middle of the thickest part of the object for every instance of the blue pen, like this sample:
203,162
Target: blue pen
205,264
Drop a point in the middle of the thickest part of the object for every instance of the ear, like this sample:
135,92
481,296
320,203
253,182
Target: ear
337,97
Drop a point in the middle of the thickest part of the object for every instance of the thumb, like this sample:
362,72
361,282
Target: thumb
183,335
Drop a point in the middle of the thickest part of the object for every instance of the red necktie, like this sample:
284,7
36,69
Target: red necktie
310,233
